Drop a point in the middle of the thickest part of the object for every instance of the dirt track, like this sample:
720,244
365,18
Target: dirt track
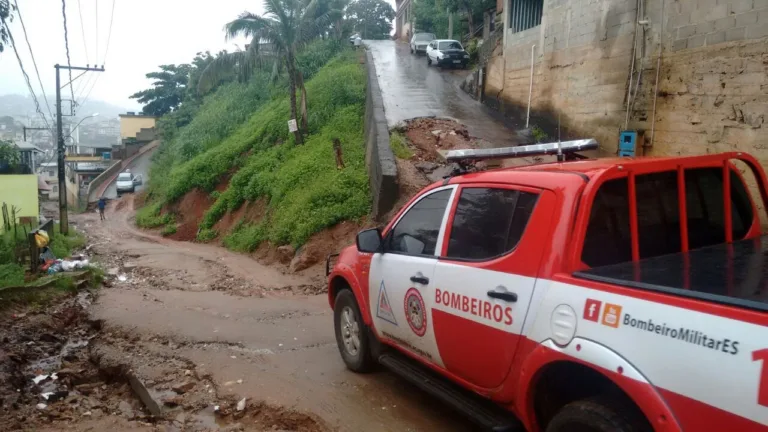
237,329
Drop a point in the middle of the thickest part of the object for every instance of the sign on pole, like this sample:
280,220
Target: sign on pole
292,126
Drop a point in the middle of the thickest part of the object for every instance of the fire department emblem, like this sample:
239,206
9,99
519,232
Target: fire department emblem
415,312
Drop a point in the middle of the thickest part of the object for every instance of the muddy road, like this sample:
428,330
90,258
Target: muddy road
226,328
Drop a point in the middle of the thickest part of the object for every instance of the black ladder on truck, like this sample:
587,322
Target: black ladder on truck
483,412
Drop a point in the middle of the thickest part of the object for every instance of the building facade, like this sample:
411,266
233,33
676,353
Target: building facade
404,20
131,124
596,63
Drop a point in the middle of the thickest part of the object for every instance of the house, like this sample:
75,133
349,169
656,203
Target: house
137,127
592,66
404,19
29,154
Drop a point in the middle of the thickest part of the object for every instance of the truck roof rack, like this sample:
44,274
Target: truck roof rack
557,148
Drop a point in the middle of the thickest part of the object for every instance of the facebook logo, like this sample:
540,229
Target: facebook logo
592,310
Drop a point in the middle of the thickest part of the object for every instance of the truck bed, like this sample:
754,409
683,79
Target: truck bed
735,274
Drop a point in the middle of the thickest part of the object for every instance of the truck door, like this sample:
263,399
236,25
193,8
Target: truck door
401,276
485,277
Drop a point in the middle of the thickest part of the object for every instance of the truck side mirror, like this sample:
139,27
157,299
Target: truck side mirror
369,241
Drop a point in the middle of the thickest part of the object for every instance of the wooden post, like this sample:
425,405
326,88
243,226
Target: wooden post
339,156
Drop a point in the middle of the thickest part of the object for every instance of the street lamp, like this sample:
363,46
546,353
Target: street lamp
81,121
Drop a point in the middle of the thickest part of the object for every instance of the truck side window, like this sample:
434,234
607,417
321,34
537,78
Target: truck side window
489,222
417,231
608,240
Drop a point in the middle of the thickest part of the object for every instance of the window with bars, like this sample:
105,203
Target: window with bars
525,14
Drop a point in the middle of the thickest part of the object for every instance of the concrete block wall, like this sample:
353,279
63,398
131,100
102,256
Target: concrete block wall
582,58
713,87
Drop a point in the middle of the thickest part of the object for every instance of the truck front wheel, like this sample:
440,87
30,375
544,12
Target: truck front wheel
352,334
596,415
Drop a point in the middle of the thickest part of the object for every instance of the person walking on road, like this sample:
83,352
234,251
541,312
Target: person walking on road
102,205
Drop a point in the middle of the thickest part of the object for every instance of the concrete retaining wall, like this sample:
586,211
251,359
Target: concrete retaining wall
105,179
379,159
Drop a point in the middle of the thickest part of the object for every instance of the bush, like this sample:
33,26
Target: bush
62,246
399,146
168,229
150,216
11,275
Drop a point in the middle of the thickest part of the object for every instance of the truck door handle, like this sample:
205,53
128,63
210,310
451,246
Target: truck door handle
420,279
506,296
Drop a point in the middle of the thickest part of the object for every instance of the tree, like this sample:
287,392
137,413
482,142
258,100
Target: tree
372,18
167,91
6,15
277,36
9,153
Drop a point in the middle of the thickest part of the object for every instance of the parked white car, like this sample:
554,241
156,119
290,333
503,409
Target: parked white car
127,182
419,42
447,52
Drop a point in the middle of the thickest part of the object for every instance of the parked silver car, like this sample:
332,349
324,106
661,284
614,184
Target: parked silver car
127,182
419,42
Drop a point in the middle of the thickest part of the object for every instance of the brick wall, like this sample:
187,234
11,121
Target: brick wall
713,86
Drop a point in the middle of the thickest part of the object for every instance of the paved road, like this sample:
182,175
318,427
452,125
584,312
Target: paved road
140,165
412,89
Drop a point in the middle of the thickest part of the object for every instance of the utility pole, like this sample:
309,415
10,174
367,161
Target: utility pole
63,217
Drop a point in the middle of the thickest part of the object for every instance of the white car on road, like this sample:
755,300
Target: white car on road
419,42
447,52
127,182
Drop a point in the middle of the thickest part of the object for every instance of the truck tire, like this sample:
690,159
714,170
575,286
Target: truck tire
599,414
352,335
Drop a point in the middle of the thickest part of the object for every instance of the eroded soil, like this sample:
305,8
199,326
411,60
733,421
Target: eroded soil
183,334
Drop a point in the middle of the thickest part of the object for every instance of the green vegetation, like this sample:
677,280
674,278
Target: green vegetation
12,273
304,189
149,216
538,134
399,145
168,229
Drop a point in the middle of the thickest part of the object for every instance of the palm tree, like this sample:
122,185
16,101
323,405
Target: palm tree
285,27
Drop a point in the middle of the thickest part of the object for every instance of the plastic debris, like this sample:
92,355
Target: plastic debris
122,278
41,406
241,404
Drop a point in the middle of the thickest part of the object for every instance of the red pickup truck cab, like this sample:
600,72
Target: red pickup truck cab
595,295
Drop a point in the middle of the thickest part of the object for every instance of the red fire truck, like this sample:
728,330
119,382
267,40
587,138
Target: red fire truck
589,295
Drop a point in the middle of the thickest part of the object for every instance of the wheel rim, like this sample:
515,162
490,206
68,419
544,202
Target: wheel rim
350,331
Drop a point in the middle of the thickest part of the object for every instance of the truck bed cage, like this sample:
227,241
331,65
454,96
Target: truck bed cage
555,148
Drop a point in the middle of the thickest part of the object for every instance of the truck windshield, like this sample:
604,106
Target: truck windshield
609,240
423,37
124,177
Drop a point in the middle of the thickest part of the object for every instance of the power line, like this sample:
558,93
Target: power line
24,72
34,63
82,29
96,2
106,51
66,45
109,34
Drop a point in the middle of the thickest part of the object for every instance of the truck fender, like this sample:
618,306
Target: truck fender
345,272
608,363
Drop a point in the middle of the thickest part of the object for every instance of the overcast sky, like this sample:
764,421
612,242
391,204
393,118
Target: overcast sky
145,34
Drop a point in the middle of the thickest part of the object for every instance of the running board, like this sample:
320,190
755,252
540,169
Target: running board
481,411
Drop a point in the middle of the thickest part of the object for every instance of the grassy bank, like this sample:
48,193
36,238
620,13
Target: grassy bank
302,186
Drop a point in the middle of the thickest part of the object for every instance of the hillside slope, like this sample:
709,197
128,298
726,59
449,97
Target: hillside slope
256,178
